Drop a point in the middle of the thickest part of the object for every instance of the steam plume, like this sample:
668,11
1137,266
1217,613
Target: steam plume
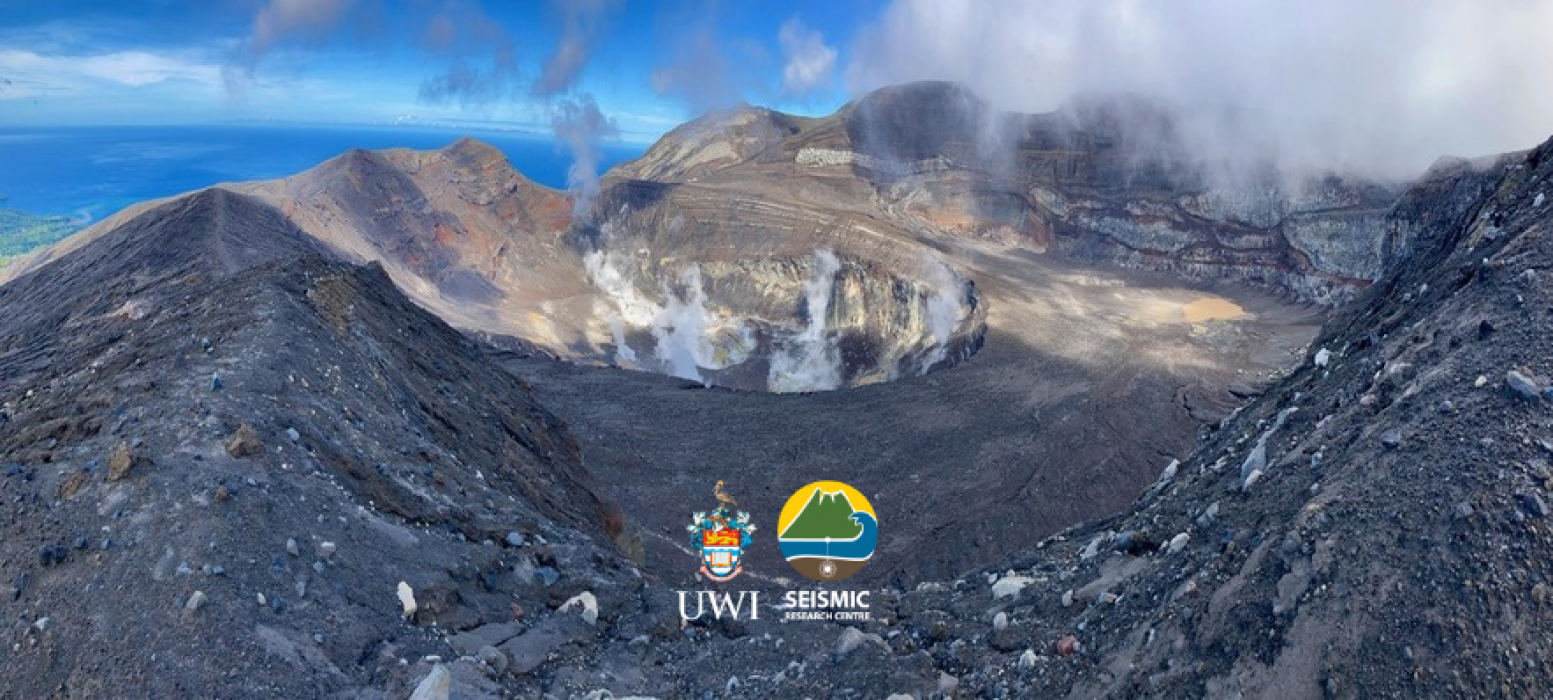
580,20
1379,88
580,125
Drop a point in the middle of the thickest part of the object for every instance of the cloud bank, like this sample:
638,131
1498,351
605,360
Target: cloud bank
126,68
1381,87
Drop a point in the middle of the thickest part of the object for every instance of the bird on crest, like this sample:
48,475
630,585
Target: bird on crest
722,496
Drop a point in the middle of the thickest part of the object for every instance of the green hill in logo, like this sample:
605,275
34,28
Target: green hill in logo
825,515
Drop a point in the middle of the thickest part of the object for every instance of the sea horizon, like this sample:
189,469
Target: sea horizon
87,172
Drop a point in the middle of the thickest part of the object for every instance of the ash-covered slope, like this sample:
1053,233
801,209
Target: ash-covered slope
458,229
200,399
1376,524
1411,552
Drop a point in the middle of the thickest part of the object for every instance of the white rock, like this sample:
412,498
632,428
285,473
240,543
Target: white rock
588,604
851,638
1091,549
1000,622
1538,201
1251,479
437,685
1170,470
195,601
260,598
407,599
291,547
1323,356
1027,660
1010,586
1178,543
326,549
1480,381
1067,598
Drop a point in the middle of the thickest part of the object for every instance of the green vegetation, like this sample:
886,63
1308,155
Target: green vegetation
21,232
825,515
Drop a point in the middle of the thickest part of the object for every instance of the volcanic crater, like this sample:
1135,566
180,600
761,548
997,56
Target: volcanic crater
408,371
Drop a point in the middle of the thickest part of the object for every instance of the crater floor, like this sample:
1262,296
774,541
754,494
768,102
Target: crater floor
1081,366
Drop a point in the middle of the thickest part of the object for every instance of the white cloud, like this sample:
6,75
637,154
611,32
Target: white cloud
808,63
1382,86
37,73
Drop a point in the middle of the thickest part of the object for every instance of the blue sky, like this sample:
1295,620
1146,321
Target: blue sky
648,65
1381,86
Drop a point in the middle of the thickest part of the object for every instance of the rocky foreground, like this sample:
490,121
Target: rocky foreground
215,437
237,462
1375,524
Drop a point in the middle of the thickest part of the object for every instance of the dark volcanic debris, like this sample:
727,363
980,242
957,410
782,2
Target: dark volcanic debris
411,455
235,462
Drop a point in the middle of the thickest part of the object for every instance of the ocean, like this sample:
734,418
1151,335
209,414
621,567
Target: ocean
87,173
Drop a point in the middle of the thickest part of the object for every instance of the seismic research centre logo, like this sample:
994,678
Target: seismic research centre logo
828,531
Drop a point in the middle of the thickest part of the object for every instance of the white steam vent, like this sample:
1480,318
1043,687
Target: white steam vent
813,323
810,361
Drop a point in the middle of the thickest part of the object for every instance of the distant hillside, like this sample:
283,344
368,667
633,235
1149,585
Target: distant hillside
22,232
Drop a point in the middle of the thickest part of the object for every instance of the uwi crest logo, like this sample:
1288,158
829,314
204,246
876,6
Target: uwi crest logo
828,531
720,537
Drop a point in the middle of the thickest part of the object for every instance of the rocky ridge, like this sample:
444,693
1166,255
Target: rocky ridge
1106,178
223,448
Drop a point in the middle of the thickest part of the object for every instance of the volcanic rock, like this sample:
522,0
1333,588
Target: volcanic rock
120,462
1522,386
244,442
